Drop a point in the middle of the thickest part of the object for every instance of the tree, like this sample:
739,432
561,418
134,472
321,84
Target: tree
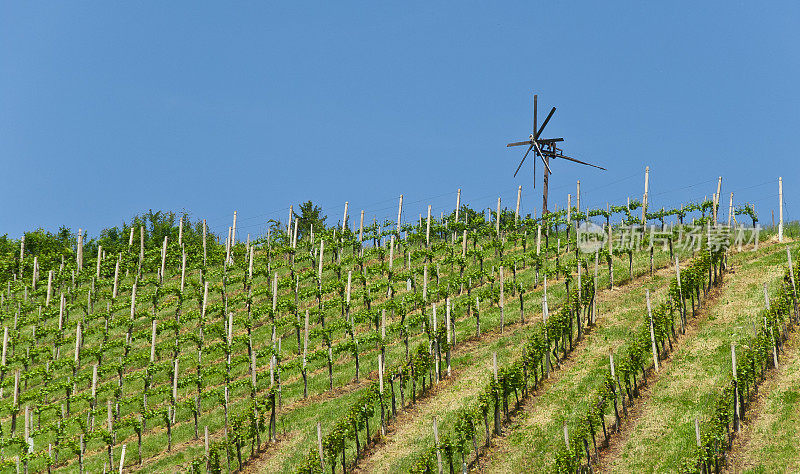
310,214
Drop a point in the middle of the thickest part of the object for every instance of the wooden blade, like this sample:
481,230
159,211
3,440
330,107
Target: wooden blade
526,142
577,161
523,160
549,140
540,150
544,124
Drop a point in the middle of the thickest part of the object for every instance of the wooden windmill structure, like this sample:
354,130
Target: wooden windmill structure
544,148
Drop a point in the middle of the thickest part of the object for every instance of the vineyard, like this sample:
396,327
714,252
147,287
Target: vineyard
496,343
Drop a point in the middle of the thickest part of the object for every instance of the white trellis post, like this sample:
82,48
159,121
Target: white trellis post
780,209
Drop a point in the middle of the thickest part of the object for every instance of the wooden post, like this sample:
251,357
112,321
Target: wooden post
122,459
163,258
428,229
497,398
49,288
497,224
319,446
183,269
716,200
180,232
110,425
791,277
594,292
321,253
116,279
79,253
730,211
774,347
516,212
646,191
305,358
174,389
233,231
458,203
205,232
538,238
736,414
437,354
361,228
680,294
780,209
229,246
425,283
77,343
344,218
652,333
380,391
205,439
99,261
697,432
399,213
450,341
141,247
502,298
566,436
436,443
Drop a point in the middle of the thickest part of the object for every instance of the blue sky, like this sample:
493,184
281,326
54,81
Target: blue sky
110,109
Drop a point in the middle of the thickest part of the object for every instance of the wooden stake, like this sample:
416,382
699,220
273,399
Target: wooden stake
319,445
122,459
205,254
99,261
449,337
116,280
49,288
458,203
652,333
436,442
399,213
233,231
780,209
646,192
164,258
497,223
183,269
697,432
502,298
428,229
730,211
361,228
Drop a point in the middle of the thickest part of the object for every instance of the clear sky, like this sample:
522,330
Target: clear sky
108,109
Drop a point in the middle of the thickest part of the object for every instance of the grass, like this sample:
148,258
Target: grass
768,441
662,436
297,419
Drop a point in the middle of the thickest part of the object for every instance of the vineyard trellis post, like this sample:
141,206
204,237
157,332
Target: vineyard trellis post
780,209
